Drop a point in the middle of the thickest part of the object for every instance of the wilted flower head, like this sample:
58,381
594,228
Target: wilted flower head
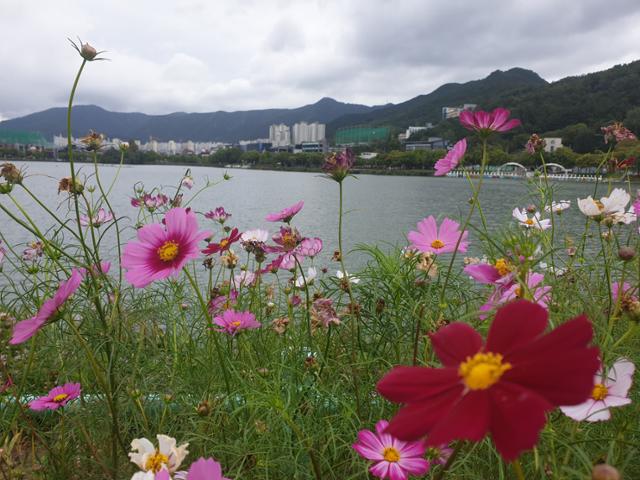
218,215
11,173
229,259
617,132
323,314
486,123
535,144
280,325
33,251
93,141
338,165
66,184
167,456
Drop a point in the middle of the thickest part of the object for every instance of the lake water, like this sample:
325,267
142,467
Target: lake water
379,209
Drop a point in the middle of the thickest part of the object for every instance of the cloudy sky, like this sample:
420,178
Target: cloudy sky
208,55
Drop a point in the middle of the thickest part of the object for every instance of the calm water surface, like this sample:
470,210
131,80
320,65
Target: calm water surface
379,209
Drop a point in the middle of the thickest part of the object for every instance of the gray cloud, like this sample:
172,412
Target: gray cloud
222,55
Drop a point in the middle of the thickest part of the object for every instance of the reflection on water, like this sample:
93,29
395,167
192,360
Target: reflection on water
379,209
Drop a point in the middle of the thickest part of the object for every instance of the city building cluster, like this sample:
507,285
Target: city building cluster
301,133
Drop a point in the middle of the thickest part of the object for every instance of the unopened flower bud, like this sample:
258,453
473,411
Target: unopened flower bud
605,472
626,253
6,188
88,52
203,409
531,208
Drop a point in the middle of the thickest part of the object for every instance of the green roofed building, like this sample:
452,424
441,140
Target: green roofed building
361,135
13,137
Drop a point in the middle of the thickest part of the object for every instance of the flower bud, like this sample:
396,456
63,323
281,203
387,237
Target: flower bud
66,184
531,208
6,188
603,471
88,52
203,409
626,253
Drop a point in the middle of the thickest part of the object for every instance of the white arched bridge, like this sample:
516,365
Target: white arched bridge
516,170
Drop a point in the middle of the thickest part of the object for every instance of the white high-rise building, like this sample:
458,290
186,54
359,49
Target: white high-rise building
308,132
280,135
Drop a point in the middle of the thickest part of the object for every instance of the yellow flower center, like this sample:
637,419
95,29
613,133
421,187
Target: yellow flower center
224,243
155,462
236,323
437,243
390,454
168,251
518,292
599,204
60,397
482,370
600,392
529,222
289,241
503,267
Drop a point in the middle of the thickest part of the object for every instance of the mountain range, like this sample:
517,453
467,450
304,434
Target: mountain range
593,99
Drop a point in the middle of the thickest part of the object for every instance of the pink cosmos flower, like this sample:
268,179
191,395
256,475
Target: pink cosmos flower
338,165
285,215
539,293
56,398
151,202
162,250
218,215
310,247
26,329
499,273
394,459
451,159
618,132
244,278
429,238
625,289
100,218
488,122
233,322
205,469
609,391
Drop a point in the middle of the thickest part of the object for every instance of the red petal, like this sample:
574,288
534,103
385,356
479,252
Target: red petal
455,342
468,419
413,384
416,420
516,324
560,365
517,416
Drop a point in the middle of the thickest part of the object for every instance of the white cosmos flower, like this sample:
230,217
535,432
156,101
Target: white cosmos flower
624,217
531,222
614,203
311,275
257,235
350,278
244,278
557,207
151,459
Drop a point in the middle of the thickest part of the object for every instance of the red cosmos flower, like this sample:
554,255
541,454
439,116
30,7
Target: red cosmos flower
503,387
224,244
